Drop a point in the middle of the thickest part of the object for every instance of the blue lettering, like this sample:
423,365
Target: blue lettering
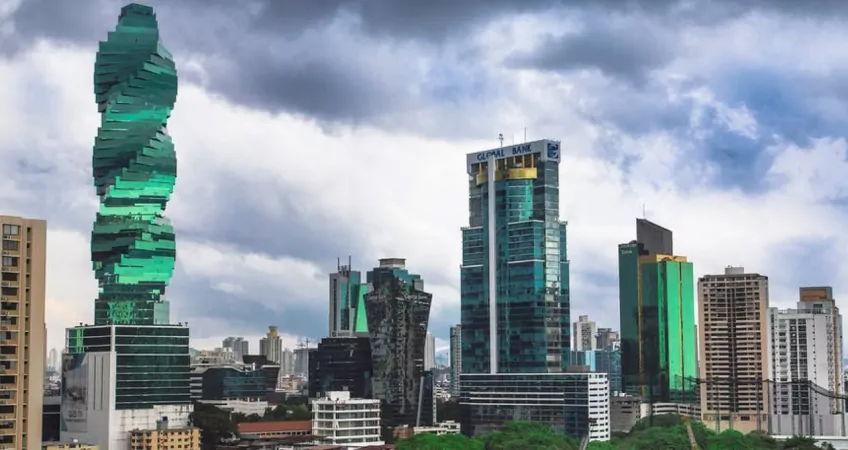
482,156
521,149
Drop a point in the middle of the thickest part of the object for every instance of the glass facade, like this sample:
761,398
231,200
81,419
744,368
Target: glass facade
609,361
227,383
133,247
398,312
152,363
531,266
347,303
341,364
657,307
575,404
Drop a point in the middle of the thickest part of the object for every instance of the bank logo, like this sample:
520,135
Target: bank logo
553,151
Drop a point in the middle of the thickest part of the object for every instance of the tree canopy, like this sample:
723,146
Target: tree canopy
667,432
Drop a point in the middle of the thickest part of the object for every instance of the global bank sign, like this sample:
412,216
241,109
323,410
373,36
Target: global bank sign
546,149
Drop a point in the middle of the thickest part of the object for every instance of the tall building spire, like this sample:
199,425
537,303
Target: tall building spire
133,248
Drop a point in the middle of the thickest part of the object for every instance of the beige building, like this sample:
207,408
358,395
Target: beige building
165,439
68,446
733,332
22,331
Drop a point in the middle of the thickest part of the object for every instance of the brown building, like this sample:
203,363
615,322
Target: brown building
275,429
165,439
822,298
22,331
733,333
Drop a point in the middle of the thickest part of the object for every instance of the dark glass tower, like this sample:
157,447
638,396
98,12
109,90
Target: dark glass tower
398,311
347,302
514,275
133,244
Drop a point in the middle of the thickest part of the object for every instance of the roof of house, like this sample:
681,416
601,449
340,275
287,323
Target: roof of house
275,426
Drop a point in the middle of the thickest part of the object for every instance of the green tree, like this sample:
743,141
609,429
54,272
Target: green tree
528,436
730,440
800,443
214,424
598,445
427,441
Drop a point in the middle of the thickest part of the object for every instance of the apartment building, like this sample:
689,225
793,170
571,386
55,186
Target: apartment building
733,312
343,420
22,331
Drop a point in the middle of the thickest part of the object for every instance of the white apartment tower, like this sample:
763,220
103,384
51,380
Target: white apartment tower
342,420
584,334
271,346
806,346
429,352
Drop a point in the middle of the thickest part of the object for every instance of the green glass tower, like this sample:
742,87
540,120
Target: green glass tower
514,274
134,166
132,244
657,313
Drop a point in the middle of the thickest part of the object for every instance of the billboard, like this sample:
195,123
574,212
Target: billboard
74,403
546,149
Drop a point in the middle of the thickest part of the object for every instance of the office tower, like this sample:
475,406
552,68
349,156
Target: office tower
802,348
53,360
455,359
287,363
733,312
302,355
584,334
347,302
429,352
271,346
398,310
606,338
341,364
657,313
514,274
23,337
608,361
131,369
238,346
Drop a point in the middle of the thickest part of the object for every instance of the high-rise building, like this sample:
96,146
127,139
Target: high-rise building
606,338
657,314
455,359
733,314
802,348
23,337
584,334
271,346
53,362
514,275
430,352
238,346
287,363
398,311
347,302
131,369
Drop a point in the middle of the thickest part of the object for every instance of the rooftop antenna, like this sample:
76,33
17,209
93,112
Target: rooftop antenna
644,211
500,138
525,133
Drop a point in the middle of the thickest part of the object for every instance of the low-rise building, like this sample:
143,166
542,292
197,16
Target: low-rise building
67,446
275,429
165,439
343,420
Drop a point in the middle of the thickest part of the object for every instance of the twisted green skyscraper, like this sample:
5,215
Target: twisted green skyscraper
132,245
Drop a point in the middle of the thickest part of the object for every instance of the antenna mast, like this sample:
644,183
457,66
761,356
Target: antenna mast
500,138
644,211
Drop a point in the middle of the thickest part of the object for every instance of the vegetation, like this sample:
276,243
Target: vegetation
667,432
217,424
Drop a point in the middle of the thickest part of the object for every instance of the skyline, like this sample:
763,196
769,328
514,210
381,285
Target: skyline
229,153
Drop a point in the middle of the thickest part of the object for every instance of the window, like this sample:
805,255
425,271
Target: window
11,245
10,261
14,230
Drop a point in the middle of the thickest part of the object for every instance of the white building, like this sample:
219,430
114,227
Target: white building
805,346
584,333
429,352
345,421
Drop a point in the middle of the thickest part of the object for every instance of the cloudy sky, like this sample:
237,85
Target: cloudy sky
311,130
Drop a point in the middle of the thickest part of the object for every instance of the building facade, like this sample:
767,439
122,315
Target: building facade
398,313
341,364
455,359
607,338
131,369
430,352
343,420
347,302
657,314
733,314
584,334
576,404
22,331
608,361
514,274
238,346
271,346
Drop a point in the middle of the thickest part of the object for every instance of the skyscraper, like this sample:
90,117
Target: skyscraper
271,346
584,334
430,352
23,337
657,313
347,302
819,299
607,338
398,312
514,275
131,369
455,359
238,346
733,314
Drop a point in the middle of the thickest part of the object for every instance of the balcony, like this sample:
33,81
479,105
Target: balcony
13,269
8,284
8,387
8,401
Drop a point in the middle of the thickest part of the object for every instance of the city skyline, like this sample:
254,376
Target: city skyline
600,195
